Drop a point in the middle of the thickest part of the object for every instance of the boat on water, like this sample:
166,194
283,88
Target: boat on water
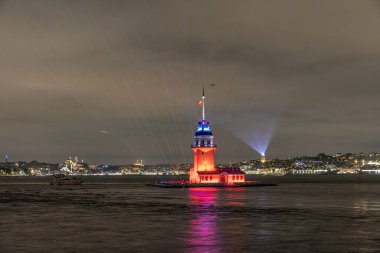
62,180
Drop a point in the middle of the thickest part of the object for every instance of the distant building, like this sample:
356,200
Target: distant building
262,158
139,163
74,166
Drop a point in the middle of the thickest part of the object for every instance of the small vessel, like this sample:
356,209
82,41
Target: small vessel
62,180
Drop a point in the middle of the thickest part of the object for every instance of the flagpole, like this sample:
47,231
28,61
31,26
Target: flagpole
203,104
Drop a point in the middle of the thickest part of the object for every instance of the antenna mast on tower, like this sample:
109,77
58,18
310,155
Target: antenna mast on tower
203,104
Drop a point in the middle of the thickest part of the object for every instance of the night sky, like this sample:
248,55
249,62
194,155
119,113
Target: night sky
113,81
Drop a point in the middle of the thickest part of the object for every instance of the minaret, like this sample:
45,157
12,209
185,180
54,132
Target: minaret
203,147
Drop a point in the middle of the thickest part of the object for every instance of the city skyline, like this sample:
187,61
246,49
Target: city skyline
119,81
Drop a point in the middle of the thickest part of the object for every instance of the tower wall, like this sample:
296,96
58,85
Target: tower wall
194,178
204,159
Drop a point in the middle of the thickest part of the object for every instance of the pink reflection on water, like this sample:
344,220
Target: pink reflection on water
203,231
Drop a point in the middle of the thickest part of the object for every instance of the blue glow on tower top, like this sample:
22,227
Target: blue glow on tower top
203,128
203,125
203,135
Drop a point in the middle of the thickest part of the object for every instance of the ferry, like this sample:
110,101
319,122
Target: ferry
62,180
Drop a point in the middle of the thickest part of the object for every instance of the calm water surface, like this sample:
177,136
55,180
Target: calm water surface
121,214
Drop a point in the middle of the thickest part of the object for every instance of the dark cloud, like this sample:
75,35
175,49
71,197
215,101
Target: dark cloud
305,71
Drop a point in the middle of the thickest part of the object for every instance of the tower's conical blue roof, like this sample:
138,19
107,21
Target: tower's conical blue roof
203,128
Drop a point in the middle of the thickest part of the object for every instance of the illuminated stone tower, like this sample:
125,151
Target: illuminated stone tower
204,151
204,173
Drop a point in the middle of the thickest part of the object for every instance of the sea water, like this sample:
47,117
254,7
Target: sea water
120,214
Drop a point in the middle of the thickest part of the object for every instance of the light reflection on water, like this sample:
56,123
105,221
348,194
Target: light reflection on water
203,231
208,230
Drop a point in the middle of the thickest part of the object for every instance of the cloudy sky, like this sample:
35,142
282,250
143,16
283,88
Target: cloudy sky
113,81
